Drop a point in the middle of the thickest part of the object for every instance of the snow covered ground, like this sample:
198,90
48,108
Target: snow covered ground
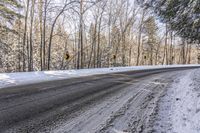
22,78
179,109
161,103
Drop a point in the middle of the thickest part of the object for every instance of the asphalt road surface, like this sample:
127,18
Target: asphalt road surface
118,102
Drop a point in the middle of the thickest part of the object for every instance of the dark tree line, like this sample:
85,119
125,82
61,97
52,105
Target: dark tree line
183,16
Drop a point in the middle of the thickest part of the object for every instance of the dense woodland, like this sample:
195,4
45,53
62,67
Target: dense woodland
75,34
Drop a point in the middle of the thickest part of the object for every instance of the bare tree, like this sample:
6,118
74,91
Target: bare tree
25,34
30,50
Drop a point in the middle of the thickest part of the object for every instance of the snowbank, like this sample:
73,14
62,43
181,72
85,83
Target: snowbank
179,110
22,78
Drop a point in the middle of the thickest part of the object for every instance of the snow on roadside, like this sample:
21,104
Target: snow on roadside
179,109
22,78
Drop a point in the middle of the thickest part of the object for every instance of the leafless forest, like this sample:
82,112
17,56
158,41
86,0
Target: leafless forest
75,34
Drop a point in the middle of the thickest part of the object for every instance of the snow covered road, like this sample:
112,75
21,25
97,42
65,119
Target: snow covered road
24,78
125,102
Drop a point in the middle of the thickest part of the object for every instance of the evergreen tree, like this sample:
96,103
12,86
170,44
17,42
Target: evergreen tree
8,12
182,15
150,29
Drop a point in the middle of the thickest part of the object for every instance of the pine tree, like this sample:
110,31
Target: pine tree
182,15
150,29
8,13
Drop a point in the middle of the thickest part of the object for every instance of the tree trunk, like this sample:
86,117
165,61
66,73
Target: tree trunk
41,33
25,34
30,63
165,48
44,37
139,39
